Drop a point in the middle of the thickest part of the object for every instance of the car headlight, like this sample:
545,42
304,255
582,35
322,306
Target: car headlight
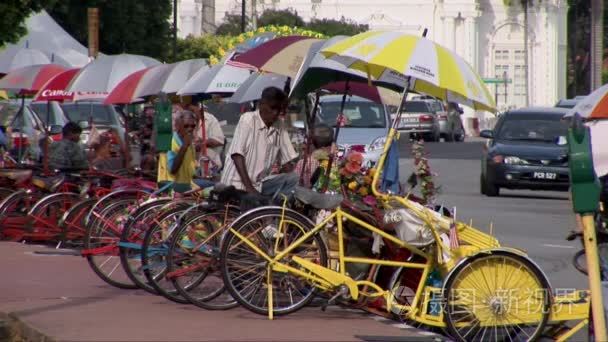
377,144
515,160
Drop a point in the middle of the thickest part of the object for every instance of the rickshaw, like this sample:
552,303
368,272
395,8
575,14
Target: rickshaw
275,260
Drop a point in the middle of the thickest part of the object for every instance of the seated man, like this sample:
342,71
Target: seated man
178,164
258,147
68,153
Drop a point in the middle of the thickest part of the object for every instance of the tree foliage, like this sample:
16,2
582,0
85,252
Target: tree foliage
231,25
130,26
286,17
332,27
12,17
200,47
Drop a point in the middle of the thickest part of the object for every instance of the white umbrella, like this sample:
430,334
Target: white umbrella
251,89
219,79
16,57
104,73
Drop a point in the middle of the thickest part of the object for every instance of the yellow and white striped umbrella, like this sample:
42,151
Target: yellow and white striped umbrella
434,70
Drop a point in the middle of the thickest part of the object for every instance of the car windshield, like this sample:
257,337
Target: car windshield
56,116
416,107
532,127
358,114
76,112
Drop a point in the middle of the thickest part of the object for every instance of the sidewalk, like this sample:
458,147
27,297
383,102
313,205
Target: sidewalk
58,298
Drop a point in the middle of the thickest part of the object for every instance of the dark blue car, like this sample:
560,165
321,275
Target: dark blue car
527,150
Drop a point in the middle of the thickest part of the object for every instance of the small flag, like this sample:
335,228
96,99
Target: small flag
454,242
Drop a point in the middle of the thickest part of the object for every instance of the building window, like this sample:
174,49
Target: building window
501,55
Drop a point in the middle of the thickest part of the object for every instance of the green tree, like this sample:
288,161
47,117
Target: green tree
286,17
199,47
12,17
129,26
231,25
332,27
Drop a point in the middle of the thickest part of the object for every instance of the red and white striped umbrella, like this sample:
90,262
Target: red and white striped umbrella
55,89
594,105
30,78
166,78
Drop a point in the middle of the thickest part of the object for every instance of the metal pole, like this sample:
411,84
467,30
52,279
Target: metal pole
174,30
595,282
504,76
243,4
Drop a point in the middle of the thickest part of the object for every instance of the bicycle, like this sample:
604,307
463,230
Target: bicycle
274,259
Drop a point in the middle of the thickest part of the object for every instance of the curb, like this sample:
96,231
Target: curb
13,329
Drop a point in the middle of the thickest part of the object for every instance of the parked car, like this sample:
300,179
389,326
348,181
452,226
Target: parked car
26,126
366,127
55,116
568,103
527,150
104,117
420,119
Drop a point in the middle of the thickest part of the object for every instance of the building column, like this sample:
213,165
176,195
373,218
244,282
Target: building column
470,31
449,29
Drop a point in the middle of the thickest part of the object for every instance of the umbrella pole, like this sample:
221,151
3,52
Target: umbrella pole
22,121
338,125
204,144
310,118
47,133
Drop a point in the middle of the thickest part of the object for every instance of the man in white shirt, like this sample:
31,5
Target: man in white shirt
258,147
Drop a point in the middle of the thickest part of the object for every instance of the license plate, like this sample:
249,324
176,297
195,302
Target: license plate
545,175
409,120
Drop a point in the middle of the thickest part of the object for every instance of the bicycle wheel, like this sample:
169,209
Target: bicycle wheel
580,260
101,242
14,220
132,239
154,253
500,296
72,224
246,273
46,215
193,255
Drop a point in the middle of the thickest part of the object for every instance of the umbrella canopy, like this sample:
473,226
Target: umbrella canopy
317,70
30,78
166,78
254,41
593,106
221,79
434,70
54,89
364,90
251,89
104,73
282,56
3,95
16,57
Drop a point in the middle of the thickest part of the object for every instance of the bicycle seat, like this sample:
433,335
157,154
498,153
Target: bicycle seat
318,200
48,183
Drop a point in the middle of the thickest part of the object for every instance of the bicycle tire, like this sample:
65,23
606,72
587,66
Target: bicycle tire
465,285
40,223
134,233
188,262
153,254
73,225
16,207
98,235
241,225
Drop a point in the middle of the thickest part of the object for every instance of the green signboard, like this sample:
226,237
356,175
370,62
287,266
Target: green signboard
497,80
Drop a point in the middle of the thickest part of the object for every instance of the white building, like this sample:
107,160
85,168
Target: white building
486,33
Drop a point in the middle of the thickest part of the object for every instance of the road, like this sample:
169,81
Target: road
60,297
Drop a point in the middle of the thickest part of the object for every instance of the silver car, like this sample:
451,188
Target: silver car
366,127
420,120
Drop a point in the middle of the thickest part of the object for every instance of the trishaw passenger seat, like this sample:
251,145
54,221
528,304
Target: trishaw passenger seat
318,200
16,175
48,183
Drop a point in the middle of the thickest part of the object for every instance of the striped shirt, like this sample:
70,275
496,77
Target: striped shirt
261,146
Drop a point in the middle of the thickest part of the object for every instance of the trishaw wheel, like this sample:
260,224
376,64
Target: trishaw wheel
246,273
500,296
